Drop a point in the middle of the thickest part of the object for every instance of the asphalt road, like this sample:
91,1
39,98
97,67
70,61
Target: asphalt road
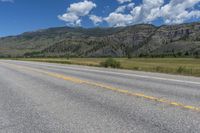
53,98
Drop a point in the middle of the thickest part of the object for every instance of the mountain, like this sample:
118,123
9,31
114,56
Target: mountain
137,40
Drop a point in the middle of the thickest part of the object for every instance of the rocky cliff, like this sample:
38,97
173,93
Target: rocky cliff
137,40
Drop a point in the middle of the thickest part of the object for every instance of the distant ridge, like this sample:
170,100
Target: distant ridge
138,40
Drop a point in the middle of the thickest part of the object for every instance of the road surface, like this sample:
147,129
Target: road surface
53,98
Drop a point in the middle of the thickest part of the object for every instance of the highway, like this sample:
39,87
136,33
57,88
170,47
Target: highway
40,97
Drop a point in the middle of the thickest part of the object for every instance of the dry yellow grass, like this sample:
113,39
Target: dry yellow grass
183,66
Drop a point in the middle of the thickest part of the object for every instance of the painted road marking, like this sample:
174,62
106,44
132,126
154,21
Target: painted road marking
107,87
122,74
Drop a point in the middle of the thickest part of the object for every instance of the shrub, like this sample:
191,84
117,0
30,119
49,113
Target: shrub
111,63
184,70
136,68
181,69
159,69
129,56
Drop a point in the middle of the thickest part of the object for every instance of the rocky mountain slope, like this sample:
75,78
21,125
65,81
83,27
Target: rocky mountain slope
137,40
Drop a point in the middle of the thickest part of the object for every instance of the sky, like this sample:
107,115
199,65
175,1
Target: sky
18,16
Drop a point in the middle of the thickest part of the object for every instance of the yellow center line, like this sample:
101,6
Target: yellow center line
107,87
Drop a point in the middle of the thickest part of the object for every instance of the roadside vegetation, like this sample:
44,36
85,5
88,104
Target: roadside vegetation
183,66
110,62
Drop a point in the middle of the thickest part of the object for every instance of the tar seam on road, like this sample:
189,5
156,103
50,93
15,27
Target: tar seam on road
107,87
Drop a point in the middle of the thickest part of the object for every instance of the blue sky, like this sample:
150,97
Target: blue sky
18,16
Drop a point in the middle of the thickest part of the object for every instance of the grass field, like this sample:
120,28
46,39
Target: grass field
183,66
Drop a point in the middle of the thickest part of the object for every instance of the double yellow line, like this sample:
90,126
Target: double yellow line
107,87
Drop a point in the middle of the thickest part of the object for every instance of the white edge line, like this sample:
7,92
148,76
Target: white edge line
117,73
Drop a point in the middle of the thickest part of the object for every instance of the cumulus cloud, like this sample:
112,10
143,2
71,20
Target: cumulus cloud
77,10
123,1
144,13
123,8
130,5
172,12
176,11
120,9
95,19
119,19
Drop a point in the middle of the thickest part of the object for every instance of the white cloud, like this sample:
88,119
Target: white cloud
123,1
120,9
130,5
118,19
144,13
123,8
95,19
176,11
173,12
70,18
147,12
76,11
